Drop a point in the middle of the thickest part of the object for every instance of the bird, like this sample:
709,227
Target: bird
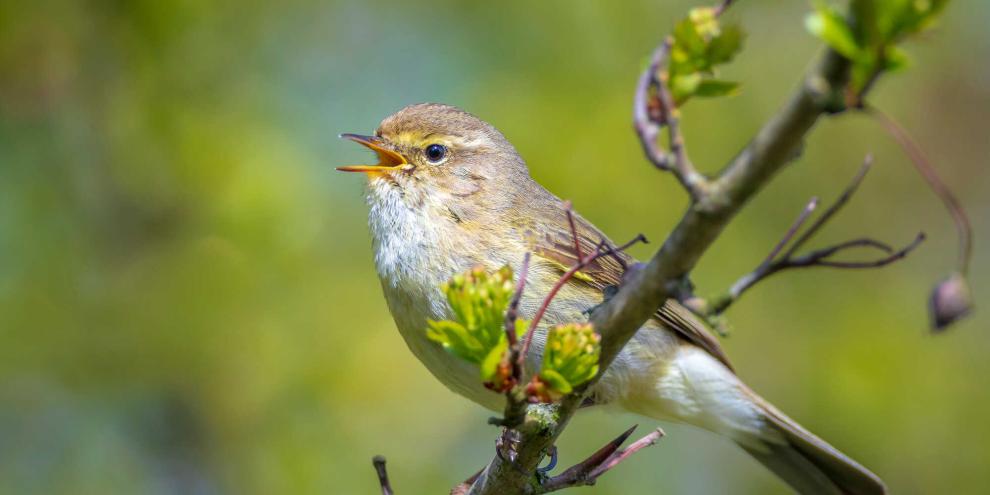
450,193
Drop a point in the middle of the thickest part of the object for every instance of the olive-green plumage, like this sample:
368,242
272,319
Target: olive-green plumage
452,193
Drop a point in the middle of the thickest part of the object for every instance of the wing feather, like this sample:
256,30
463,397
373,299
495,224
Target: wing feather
557,245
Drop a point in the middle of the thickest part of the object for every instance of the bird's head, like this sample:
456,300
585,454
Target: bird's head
441,155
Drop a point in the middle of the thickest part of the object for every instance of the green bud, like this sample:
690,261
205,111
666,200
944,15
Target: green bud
478,300
570,359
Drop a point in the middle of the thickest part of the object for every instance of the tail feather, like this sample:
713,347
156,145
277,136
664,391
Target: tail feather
697,389
808,463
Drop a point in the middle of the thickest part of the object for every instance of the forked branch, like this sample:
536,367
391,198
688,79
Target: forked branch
776,262
604,459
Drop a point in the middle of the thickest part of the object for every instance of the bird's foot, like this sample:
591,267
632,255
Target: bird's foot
542,473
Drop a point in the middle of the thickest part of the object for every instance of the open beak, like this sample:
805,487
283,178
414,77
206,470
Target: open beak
388,160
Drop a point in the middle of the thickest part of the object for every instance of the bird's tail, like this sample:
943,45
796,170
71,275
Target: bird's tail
807,463
697,389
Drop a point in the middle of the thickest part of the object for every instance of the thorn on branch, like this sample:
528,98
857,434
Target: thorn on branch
379,462
776,262
604,459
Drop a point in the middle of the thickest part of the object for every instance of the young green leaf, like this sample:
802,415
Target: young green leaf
478,300
828,24
724,47
699,45
710,88
870,42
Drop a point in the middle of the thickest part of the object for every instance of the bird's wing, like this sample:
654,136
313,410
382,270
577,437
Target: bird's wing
558,246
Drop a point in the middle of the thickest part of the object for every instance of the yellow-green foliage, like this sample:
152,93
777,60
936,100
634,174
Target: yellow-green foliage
188,297
570,358
700,44
477,333
871,44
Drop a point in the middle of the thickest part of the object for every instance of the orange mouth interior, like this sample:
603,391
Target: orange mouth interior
388,160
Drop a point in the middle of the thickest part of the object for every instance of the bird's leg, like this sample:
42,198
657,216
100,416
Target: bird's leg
541,473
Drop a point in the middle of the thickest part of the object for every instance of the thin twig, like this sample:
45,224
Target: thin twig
512,313
964,229
803,217
582,469
601,249
653,108
512,358
650,439
835,207
589,470
817,258
379,462
647,126
684,170
776,262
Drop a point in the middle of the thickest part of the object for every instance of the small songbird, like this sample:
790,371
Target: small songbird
450,193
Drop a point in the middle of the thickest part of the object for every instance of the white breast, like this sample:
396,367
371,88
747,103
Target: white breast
410,246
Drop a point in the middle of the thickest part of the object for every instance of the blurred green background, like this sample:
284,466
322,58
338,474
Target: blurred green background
187,297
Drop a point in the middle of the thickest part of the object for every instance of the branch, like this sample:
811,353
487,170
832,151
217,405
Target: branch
644,290
646,111
653,107
777,262
601,249
512,361
517,397
604,459
379,463
511,315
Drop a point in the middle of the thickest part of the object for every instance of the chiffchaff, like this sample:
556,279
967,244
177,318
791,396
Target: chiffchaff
450,193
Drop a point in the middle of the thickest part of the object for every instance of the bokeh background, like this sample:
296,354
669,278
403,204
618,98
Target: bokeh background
187,297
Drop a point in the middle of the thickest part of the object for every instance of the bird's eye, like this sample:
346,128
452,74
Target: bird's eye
436,152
